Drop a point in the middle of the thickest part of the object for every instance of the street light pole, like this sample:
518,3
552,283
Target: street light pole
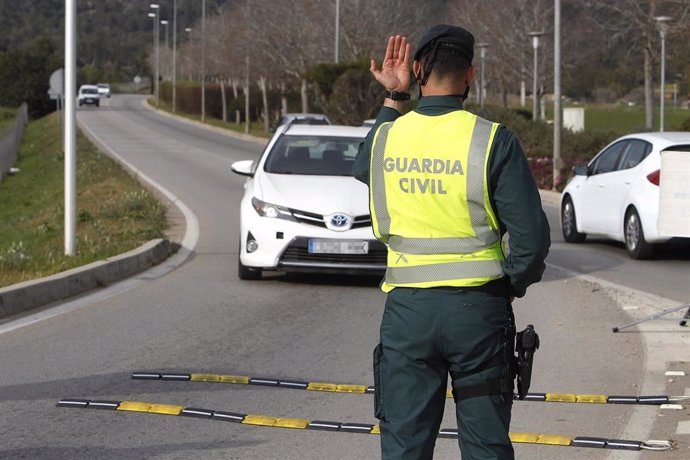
557,109
191,51
165,23
662,22
203,60
174,57
337,30
156,31
482,85
70,128
535,44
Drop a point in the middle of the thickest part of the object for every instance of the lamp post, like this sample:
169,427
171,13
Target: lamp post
535,44
191,46
662,24
70,127
156,44
482,83
337,30
174,57
203,60
165,23
557,108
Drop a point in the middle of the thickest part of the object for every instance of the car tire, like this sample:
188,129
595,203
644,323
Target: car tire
244,272
98,104
635,244
569,223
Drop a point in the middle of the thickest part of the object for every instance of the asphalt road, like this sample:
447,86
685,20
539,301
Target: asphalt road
201,318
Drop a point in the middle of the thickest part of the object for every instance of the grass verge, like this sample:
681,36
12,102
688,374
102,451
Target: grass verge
115,213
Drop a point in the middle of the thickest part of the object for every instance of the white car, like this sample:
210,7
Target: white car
616,195
103,89
88,94
302,210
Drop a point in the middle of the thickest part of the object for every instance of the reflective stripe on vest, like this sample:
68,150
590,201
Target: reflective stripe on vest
485,243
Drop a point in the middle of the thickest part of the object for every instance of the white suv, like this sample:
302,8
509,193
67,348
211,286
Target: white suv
302,210
88,94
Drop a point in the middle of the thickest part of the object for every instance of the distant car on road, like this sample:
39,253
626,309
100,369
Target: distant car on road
302,210
616,195
88,94
103,89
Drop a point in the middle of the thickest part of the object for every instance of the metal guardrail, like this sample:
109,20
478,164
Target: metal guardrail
10,140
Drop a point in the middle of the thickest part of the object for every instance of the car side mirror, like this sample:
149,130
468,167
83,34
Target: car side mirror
243,168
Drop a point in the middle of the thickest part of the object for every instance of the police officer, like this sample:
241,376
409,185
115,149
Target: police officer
445,185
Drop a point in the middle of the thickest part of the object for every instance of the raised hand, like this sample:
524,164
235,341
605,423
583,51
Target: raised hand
394,74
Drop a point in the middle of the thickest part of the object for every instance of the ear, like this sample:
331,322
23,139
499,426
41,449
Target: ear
416,69
469,76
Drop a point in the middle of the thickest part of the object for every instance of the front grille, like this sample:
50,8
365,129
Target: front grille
298,252
318,220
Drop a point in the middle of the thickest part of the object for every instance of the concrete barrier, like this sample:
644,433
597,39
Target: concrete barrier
35,293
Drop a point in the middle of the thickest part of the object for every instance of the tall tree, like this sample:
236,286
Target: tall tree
632,23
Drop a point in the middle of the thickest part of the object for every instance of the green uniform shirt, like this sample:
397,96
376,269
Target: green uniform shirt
512,191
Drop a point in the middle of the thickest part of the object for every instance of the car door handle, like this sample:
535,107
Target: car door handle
627,182
601,185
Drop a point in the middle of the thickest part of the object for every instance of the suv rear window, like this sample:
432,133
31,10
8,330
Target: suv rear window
312,155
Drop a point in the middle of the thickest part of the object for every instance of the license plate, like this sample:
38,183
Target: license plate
338,247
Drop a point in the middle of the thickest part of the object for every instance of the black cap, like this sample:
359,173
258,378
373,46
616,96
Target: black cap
445,33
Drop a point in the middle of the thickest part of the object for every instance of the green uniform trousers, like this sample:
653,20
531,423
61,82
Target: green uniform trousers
425,335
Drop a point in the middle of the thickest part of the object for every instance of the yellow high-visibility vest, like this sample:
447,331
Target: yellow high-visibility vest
429,201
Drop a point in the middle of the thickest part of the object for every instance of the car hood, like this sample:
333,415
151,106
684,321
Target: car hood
318,194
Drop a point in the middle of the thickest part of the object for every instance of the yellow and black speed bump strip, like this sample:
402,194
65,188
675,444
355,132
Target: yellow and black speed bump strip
361,389
364,428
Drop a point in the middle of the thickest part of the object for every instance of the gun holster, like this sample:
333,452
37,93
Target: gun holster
526,344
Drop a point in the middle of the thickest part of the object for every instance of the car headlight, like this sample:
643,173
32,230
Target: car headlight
272,210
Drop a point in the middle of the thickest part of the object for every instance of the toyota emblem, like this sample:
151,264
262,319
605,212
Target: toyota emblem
339,222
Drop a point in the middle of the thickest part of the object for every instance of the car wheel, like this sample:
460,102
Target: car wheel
569,223
244,272
98,104
637,246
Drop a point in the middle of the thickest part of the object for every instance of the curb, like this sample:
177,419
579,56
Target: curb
30,294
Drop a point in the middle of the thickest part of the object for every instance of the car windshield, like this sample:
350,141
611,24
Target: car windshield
313,155
89,91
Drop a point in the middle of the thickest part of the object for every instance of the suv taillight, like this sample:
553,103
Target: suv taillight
654,177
